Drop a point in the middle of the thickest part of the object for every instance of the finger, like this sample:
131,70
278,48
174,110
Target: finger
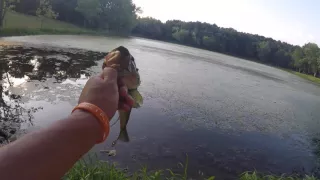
109,74
121,82
123,91
124,107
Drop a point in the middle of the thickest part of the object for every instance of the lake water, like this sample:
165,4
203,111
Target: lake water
227,114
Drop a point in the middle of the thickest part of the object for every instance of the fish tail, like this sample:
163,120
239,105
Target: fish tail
124,117
124,136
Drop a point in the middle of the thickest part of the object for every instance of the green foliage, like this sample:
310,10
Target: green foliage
264,51
15,20
307,59
210,42
298,56
23,32
232,42
90,9
150,28
119,15
311,52
92,169
19,24
6,5
45,10
307,77
181,36
113,15
96,170
256,176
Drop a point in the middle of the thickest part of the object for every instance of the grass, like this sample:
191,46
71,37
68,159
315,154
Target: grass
96,170
18,20
257,176
21,24
307,77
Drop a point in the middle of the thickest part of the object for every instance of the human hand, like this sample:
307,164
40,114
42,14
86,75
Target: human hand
104,91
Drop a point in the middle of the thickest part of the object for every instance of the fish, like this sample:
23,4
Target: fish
121,60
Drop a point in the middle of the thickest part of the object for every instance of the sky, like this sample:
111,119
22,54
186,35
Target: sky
294,21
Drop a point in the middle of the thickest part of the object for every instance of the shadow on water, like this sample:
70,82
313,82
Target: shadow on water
21,67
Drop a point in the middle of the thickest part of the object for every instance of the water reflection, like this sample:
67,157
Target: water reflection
23,71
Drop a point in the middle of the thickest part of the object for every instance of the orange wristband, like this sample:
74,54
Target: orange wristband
99,114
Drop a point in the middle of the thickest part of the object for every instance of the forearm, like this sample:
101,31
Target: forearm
51,152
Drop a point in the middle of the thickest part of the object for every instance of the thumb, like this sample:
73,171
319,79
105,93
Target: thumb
109,74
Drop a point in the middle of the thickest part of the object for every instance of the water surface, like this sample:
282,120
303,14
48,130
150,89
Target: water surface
229,115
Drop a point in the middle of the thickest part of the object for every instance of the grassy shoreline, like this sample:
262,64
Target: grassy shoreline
307,77
314,80
104,171
4,32
17,24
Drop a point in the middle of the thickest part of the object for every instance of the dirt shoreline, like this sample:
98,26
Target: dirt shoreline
8,43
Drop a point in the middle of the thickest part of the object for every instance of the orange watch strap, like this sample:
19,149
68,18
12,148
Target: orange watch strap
99,114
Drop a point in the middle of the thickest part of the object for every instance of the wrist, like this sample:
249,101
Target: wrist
90,122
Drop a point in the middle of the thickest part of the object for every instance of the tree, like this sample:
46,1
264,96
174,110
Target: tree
210,43
6,5
311,52
119,15
114,15
67,11
149,27
182,36
298,58
27,6
264,51
45,11
90,9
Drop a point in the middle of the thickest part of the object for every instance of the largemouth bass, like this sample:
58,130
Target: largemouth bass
121,60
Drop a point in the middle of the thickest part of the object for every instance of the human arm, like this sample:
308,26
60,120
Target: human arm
49,153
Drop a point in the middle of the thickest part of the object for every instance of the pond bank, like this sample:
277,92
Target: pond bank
106,171
308,77
23,32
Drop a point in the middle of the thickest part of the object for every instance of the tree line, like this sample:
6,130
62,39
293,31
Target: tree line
121,16
104,15
304,59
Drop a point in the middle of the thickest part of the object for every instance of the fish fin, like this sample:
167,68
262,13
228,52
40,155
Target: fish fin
124,136
138,99
124,117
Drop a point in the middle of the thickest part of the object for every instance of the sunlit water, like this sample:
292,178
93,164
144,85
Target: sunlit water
227,114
